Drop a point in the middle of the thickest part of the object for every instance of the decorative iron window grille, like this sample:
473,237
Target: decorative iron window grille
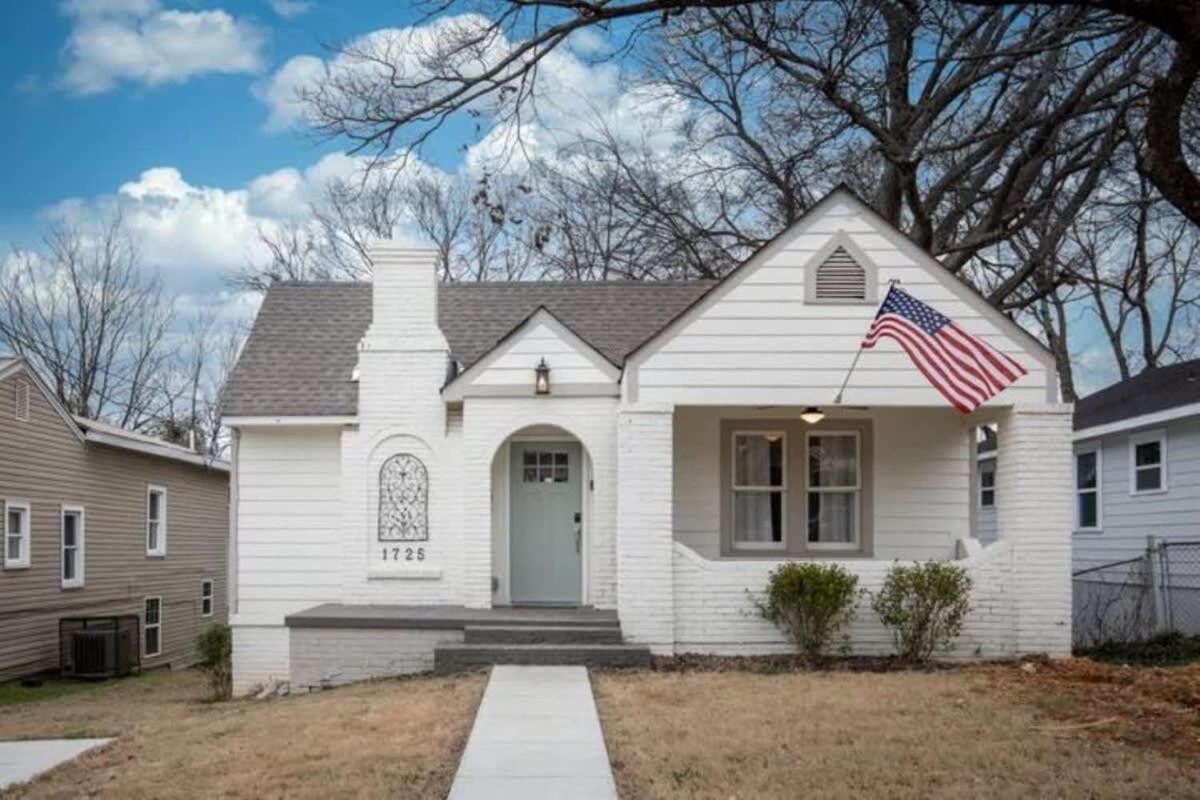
403,500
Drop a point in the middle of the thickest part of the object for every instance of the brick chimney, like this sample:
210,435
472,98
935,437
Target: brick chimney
404,306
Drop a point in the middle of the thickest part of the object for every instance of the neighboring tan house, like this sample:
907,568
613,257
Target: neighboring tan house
421,469
1137,465
99,521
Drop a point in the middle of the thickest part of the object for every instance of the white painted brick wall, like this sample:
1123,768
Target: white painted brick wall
1034,513
335,656
260,656
645,598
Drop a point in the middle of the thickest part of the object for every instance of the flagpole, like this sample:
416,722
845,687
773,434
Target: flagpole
837,401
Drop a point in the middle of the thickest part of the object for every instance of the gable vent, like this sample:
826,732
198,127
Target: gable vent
22,400
841,278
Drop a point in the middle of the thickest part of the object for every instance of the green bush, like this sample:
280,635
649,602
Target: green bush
215,648
810,603
924,605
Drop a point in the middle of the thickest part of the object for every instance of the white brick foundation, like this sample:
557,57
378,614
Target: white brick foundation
333,656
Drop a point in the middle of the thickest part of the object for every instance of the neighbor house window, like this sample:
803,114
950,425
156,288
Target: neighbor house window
987,485
834,489
1087,490
156,521
152,627
759,489
1148,462
16,535
73,535
206,597
21,400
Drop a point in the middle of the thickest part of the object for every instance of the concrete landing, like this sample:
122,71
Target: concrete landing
23,761
536,735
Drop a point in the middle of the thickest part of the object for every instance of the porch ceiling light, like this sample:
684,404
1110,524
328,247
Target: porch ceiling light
812,415
541,381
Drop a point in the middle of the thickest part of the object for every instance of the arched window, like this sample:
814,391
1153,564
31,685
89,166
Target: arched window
403,500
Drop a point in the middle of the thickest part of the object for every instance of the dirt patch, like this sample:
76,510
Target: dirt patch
1155,707
396,738
949,733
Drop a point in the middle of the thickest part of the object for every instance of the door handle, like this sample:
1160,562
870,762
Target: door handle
578,539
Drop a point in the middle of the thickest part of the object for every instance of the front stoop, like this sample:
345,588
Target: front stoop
569,644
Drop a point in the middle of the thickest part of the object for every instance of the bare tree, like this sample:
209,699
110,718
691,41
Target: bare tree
89,320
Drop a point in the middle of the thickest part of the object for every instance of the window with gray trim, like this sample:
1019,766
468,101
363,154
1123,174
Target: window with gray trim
833,489
1087,490
759,489
987,485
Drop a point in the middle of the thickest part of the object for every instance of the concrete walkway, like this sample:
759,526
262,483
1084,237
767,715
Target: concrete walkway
23,761
536,735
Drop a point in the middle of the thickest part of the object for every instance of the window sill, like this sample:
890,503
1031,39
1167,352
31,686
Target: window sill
1148,492
156,555
1087,531
71,586
15,567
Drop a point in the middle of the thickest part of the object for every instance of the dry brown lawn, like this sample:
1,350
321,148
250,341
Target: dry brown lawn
395,739
998,732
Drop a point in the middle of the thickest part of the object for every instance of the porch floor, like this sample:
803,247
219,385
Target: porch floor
342,615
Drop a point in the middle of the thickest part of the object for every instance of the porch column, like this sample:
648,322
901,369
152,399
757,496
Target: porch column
645,593
1034,513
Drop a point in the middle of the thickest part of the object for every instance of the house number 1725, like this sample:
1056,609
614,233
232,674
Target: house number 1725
404,554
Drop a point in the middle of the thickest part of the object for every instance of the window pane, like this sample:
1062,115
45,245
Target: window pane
152,611
831,517
152,536
1147,453
758,517
987,479
14,521
1085,471
560,474
14,548
152,641
69,530
987,498
1087,510
531,474
758,461
831,461
529,458
1148,479
68,565
155,499
560,459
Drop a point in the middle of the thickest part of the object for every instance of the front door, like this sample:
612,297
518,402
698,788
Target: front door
546,522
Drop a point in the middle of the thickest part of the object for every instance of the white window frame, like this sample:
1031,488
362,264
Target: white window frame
207,595
25,535
781,490
981,472
161,550
80,547
147,626
856,490
1098,450
1145,437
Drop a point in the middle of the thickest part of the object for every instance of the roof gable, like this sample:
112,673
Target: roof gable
12,368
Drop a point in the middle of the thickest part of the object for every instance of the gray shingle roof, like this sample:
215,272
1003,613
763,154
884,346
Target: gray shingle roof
300,353
1153,390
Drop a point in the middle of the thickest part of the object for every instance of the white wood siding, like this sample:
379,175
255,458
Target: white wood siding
759,342
921,479
514,364
1128,519
289,518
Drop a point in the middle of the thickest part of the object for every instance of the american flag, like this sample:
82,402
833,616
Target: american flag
963,368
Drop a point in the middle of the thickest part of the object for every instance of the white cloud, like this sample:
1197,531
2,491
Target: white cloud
291,8
281,91
139,41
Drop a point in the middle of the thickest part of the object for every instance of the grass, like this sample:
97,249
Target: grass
995,732
397,738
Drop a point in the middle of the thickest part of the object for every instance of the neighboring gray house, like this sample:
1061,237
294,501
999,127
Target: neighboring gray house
1137,465
99,522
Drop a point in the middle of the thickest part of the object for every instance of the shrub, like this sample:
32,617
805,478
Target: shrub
810,603
924,605
215,648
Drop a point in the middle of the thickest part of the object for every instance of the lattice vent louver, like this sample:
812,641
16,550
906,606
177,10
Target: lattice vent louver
841,278
22,400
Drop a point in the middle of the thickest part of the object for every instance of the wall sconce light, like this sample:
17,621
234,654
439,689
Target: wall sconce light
812,415
541,383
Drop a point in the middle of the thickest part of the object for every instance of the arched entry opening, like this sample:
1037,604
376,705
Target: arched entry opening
539,518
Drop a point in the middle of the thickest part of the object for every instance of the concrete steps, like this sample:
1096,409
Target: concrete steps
542,634
454,657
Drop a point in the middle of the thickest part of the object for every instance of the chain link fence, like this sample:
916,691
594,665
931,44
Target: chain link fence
1138,598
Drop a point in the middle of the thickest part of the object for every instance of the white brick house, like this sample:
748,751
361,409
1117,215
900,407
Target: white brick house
394,454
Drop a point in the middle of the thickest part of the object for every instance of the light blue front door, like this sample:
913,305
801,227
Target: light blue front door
546,522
